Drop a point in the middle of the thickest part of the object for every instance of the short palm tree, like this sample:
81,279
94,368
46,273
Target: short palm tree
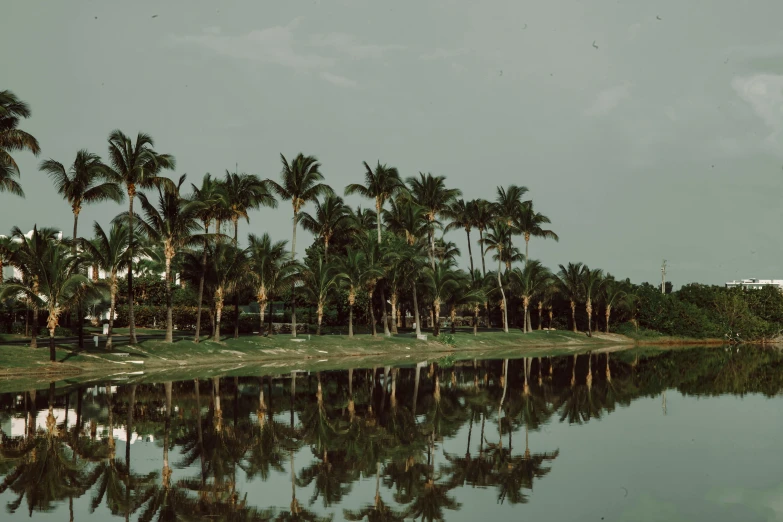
352,272
592,280
464,295
613,292
529,222
380,185
228,269
269,263
462,214
245,192
482,220
330,217
56,284
137,166
171,223
84,182
530,281
569,282
12,139
431,193
109,253
442,281
211,198
498,239
300,183
373,271
319,279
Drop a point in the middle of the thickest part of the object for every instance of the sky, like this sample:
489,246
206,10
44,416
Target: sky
644,130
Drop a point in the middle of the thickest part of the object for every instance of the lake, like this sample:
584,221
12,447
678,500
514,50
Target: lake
642,435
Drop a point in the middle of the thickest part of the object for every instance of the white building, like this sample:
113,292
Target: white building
755,284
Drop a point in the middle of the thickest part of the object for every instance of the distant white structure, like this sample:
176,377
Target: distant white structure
9,271
755,284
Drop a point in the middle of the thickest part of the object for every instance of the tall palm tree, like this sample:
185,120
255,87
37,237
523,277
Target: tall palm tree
211,197
361,220
380,185
430,192
83,183
330,217
406,218
109,253
269,267
498,240
227,269
352,269
172,224
530,281
319,279
613,292
529,222
245,192
592,280
56,285
301,182
482,220
12,139
569,282
508,203
137,166
462,215
373,271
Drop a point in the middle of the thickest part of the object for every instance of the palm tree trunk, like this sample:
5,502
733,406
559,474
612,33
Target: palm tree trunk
372,313
166,472
527,240
475,320
416,311
384,317
453,316
394,312
52,352
201,286
218,313
34,332
503,295
436,317
481,247
573,315
431,234
320,317
293,287
608,313
169,318
112,308
131,318
589,310
261,313
527,329
470,255
350,320
378,217
79,314
417,374
540,315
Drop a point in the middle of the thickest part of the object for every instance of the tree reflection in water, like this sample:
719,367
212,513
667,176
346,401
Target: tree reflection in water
383,426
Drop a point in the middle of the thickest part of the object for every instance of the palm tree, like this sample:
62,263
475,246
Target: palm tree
462,215
530,281
330,217
55,284
12,109
352,269
613,292
136,165
406,218
229,267
569,282
245,192
442,282
109,253
466,294
482,220
498,239
592,280
300,183
269,267
408,262
529,222
380,185
83,183
211,197
430,192
172,224
373,271
319,279
361,219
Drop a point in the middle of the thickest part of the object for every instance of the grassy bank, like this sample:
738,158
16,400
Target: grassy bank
282,351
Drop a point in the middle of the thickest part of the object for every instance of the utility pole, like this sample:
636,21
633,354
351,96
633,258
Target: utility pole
663,277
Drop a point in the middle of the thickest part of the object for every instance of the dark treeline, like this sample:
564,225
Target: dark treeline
381,423
174,258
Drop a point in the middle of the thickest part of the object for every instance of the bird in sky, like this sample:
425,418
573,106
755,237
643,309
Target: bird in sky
594,44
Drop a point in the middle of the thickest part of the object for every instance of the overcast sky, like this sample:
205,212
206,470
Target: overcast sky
662,142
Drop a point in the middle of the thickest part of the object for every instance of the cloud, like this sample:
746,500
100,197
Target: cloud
440,54
348,45
336,79
277,45
764,94
608,99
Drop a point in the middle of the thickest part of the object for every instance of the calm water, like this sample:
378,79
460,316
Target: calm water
671,436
